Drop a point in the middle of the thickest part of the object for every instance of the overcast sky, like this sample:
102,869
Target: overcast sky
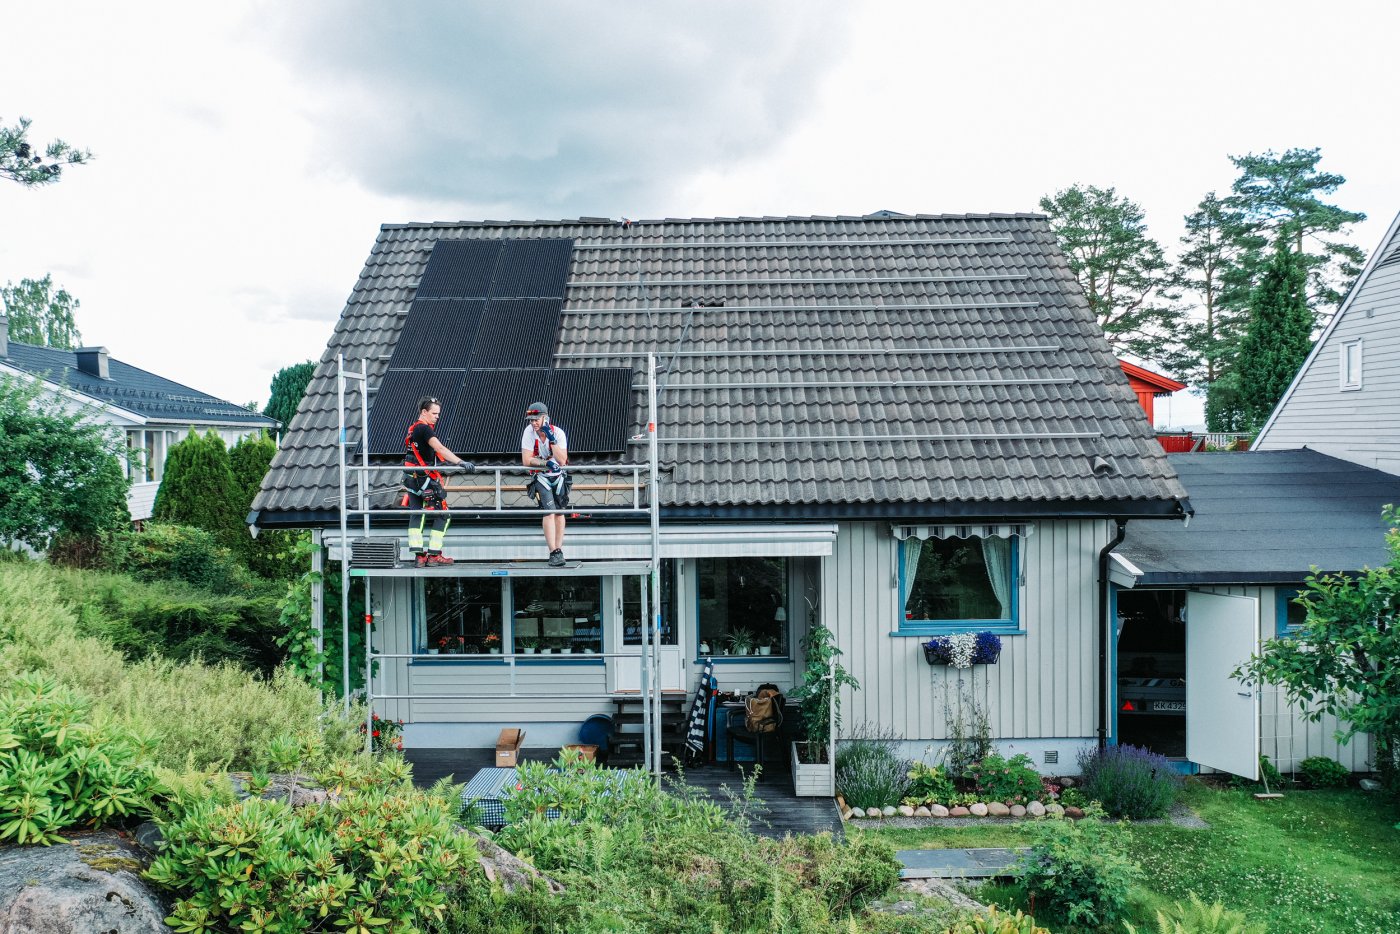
246,153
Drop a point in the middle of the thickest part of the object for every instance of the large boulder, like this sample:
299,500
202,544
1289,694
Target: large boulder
90,883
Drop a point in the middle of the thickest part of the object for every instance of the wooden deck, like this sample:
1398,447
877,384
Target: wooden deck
782,812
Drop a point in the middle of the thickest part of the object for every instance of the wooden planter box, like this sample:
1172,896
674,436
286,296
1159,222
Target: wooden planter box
812,780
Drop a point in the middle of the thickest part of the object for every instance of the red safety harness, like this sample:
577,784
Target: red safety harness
413,449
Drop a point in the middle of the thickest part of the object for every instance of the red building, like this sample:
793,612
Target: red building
1148,385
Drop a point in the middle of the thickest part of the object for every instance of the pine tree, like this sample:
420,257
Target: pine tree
198,489
1278,337
272,553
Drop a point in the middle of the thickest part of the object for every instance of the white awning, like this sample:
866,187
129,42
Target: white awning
999,530
468,541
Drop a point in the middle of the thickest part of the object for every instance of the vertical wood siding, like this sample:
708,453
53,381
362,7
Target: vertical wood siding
1362,426
1044,686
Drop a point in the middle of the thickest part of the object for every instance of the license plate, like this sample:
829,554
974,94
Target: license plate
1169,705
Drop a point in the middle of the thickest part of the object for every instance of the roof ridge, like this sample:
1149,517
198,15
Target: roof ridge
743,219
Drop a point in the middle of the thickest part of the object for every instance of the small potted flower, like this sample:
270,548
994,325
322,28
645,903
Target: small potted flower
493,643
963,649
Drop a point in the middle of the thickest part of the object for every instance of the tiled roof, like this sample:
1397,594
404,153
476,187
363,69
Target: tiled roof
1266,517
928,365
131,388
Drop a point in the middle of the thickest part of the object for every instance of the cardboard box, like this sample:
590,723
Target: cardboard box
585,750
508,747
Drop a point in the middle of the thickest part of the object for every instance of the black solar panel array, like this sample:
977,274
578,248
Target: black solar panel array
480,336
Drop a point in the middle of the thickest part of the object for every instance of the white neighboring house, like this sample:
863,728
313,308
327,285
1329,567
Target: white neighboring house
1345,400
154,412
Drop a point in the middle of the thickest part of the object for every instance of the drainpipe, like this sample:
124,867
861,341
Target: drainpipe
1104,631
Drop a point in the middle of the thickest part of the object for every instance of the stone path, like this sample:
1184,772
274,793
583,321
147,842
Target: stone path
978,863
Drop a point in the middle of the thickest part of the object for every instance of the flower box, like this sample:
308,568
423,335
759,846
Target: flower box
963,650
811,779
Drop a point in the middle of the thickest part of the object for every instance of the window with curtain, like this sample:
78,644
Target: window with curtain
959,582
743,606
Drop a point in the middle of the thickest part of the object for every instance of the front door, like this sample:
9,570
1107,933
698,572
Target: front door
627,670
1222,714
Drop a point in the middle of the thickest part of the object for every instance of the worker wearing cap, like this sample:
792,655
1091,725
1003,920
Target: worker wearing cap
545,446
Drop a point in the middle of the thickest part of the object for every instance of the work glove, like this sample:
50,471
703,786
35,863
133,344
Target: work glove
467,465
549,433
552,465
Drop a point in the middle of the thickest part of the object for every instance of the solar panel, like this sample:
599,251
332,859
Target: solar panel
517,333
594,406
493,403
438,334
534,268
395,405
460,269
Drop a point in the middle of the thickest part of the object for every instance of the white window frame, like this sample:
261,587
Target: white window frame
1349,377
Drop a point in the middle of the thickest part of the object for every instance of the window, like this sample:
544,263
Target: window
146,455
557,615
632,607
1290,617
1351,365
743,606
463,615
959,582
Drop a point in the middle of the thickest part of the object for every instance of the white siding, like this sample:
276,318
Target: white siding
1044,685
1286,737
1362,425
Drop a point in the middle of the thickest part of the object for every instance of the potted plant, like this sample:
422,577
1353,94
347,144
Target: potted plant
741,641
528,645
818,694
766,648
963,649
493,643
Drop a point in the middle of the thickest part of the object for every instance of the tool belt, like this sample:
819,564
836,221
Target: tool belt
429,489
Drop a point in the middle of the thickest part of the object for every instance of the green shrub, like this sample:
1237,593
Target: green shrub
59,770
994,923
162,552
1129,781
1077,871
1014,780
377,858
929,784
869,774
1322,772
1196,917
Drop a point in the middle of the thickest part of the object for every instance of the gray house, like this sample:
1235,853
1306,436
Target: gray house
895,426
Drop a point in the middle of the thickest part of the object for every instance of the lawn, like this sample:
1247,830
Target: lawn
1313,862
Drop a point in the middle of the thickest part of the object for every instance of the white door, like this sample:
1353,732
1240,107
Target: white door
627,636
1222,714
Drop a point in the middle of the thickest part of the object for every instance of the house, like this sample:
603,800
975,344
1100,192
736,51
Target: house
1345,400
1149,386
894,426
152,411
1194,600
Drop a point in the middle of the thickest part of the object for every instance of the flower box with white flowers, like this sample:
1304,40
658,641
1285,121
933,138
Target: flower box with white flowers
963,649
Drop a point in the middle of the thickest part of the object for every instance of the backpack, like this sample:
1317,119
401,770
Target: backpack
763,711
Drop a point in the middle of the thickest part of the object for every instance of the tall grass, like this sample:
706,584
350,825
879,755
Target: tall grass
204,716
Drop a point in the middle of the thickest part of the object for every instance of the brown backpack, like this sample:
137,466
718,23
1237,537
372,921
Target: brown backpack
763,711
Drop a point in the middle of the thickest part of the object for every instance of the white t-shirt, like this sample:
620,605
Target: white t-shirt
532,442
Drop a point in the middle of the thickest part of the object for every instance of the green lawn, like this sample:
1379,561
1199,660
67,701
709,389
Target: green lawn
1313,862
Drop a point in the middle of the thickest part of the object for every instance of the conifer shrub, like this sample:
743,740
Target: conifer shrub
59,768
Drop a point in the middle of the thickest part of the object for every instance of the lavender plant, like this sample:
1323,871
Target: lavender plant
1129,781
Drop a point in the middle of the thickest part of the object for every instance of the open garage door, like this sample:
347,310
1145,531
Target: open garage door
1222,714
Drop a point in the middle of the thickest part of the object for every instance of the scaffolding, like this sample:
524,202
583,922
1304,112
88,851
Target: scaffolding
354,507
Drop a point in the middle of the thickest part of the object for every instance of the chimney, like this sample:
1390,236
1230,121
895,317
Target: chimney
4,335
93,361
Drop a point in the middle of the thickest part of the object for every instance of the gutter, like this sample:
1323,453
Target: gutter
1103,628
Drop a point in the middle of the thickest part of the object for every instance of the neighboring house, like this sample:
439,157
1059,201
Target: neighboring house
154,412
894,426
1345,401
1149,386
1195,599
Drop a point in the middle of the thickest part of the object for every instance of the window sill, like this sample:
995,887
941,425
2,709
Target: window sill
741,659
929,630
521,661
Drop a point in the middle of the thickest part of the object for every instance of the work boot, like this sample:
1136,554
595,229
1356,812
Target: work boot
556,558
420,560
438,561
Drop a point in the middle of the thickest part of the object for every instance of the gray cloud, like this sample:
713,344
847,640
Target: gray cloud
563,108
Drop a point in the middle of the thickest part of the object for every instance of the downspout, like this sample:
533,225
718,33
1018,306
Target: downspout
1104,629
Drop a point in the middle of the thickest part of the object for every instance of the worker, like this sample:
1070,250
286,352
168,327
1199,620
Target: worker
544,445
423,486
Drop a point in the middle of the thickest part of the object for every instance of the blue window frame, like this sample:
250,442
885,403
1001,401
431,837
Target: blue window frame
959,584
1289,616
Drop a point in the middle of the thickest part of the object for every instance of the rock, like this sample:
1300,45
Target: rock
1066,782
1018,810
888,811
938,810
149,837
1035,809
959,811
512,872
978,810
872,812
997,809
922,811
1073,813
91,883
296,790
1054,809
1370,784
906,811
944,890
